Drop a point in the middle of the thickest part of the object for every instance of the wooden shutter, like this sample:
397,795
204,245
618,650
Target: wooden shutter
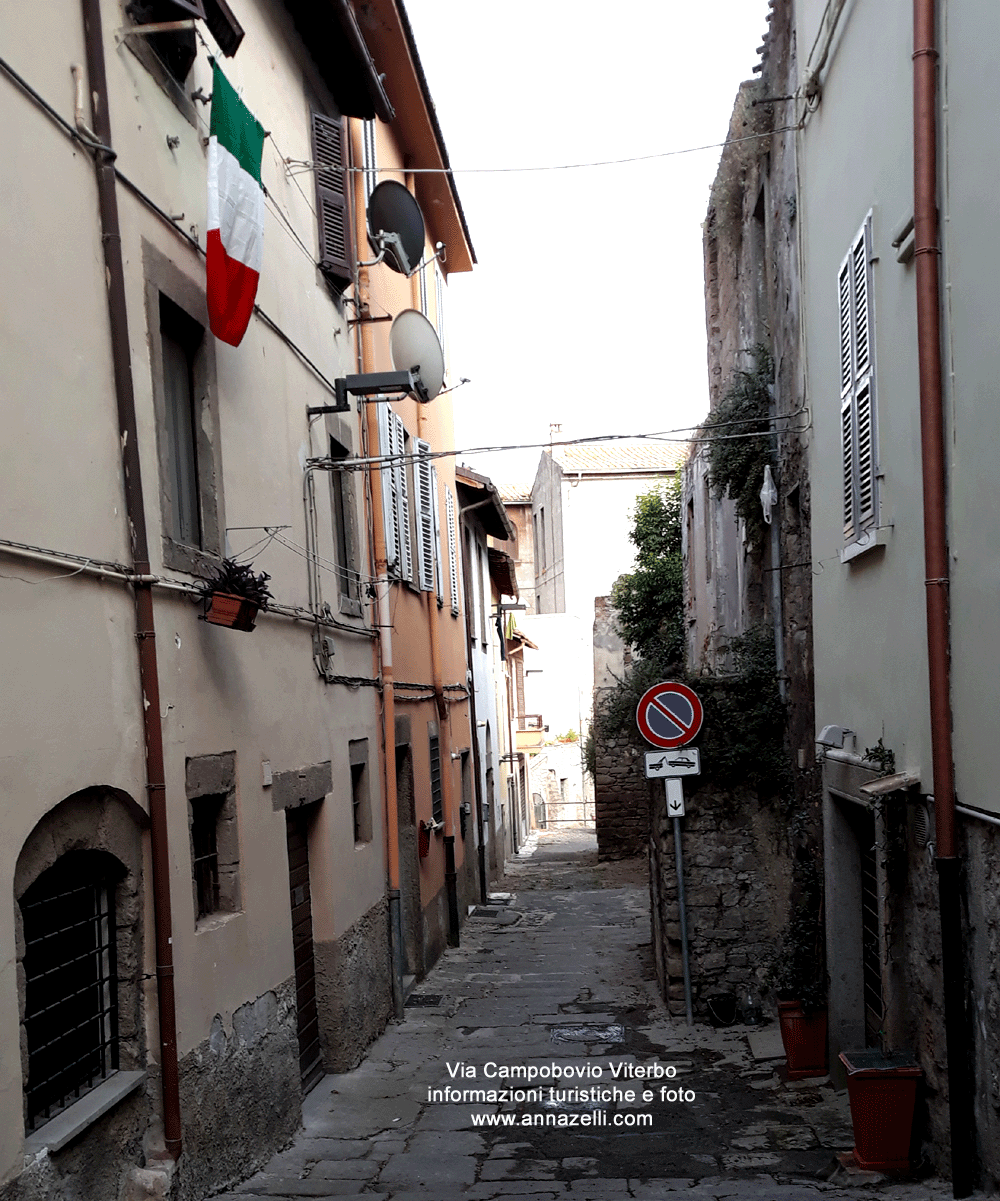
402,492
423,475
449,508
438,568
857,385
390,506
332,209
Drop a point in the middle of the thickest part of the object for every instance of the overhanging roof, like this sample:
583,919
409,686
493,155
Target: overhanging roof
479,490
502,571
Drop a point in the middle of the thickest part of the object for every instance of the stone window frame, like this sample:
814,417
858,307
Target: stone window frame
361,801
164,277
210,781
106,820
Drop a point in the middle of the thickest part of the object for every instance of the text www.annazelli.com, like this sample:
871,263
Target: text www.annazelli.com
597,1117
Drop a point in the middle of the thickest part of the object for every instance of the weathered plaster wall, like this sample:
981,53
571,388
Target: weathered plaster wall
240,1094
354,989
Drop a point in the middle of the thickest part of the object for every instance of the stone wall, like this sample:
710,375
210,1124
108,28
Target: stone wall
737,876
621,803
354,989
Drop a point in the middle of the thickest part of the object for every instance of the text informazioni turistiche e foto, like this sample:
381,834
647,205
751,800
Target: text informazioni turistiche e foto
581,1093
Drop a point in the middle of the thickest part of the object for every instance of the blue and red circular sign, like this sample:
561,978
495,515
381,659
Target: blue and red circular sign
669,714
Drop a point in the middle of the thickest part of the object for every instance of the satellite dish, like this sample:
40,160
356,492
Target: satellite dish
396,226
414,344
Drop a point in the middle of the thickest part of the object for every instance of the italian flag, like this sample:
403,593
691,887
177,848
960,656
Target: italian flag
235,212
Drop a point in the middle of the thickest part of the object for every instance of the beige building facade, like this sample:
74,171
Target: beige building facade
261,859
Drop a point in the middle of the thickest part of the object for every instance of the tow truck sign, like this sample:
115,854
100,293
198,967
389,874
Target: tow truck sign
669,715
668,764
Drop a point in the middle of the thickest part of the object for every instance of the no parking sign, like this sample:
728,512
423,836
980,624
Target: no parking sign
669,714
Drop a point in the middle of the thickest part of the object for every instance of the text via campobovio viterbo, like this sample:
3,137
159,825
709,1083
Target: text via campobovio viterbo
584,1093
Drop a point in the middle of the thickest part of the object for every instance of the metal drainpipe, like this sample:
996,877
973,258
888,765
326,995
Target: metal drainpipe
383,622
145,630
927,256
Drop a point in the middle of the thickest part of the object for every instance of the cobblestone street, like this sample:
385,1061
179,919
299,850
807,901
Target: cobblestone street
557,971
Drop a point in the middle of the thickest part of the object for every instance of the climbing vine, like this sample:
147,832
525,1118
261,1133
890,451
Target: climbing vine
736,465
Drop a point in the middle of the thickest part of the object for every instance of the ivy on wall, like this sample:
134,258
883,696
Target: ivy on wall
736,464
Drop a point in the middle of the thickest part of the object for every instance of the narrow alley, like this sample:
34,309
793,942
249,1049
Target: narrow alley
555,971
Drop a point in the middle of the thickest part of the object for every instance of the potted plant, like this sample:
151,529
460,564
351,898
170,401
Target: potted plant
882,1089
798,978
235,594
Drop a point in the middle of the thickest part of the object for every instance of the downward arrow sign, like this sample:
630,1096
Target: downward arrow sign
675,797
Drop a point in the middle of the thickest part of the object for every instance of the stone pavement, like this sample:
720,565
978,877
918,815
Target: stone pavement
557,972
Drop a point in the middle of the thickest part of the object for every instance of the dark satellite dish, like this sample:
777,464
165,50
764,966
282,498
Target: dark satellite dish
396,226
414,344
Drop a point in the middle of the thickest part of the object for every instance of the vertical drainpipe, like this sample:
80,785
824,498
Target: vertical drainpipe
927,257
383,622
145,632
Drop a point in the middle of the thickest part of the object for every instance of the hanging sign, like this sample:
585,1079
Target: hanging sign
669,715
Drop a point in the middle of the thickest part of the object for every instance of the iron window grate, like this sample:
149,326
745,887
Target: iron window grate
71,993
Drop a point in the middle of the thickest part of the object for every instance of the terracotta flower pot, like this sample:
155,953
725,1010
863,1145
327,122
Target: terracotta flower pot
804,1038
882,1089
236,612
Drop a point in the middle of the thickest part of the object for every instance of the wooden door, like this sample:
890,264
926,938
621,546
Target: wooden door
310,1062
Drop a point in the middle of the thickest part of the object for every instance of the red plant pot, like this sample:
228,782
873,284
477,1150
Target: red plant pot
236,612
883,1091
804,1038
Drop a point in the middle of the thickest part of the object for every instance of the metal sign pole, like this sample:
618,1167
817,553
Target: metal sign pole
681,905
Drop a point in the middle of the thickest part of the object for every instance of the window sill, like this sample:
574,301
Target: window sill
866,542
82,1114
215,921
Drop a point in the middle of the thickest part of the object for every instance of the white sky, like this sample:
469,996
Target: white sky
587,306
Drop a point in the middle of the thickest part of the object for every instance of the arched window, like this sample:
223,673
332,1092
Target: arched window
71,980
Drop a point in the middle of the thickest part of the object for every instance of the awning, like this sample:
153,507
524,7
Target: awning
502,571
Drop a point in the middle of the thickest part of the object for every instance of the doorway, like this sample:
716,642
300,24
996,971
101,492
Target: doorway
297,826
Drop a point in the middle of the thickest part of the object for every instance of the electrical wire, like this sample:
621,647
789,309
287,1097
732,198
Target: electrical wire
306,165
659,436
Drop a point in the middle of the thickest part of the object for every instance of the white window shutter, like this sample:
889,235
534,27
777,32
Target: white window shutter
439,304
847,450
402,493
390,505
844,301
864,425
452,547
857,386
423,476
438,569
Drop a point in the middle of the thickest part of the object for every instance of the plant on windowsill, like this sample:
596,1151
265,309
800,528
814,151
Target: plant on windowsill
235,594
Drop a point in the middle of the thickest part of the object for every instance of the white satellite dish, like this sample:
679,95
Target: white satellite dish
414,344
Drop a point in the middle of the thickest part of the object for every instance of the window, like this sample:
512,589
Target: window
182,367
437,803
215,855
336,255
180,339
449,507
361,806
857,387
342,506
170,54
395,494
71,981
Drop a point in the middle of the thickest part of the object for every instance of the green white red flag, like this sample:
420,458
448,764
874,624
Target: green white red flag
235,212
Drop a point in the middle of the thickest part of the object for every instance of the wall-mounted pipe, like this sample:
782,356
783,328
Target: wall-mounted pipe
145,629
926,255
